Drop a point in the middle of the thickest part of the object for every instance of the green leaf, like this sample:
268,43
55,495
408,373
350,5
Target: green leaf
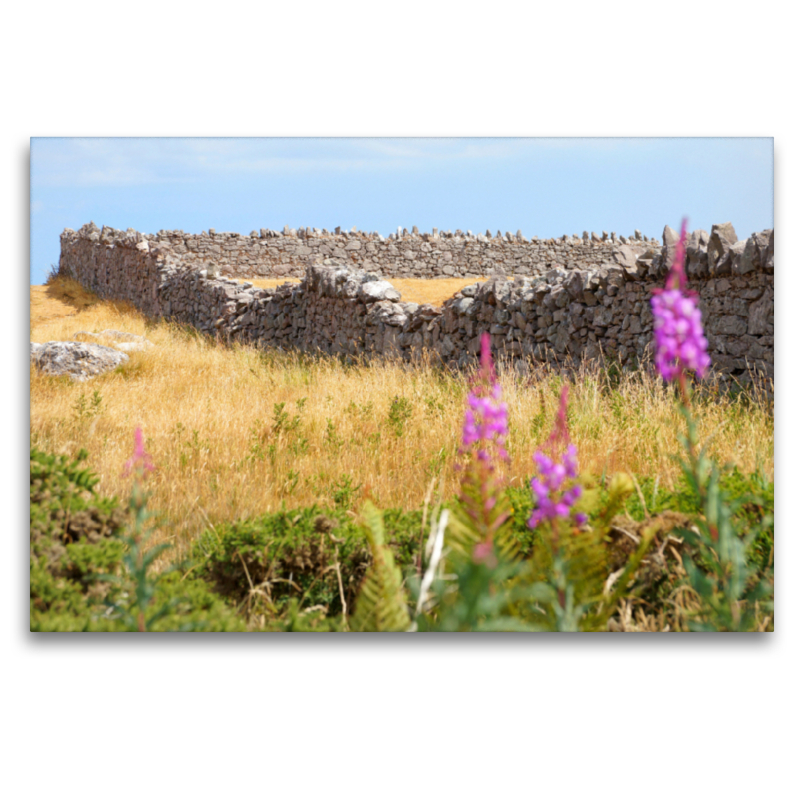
381,604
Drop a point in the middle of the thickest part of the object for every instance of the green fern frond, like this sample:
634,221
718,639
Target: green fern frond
381,604
472,522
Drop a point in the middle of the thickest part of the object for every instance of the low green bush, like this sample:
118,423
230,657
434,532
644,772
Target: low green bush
314,569
77,549
317,557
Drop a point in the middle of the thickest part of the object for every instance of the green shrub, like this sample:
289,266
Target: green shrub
76,538
73,537
262,563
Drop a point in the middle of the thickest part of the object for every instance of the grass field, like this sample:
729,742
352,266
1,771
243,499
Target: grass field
238,432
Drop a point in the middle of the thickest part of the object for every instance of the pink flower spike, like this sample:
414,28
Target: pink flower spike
486,416
141,461
549,500
677,273
487,368
677,322
483,553
560,434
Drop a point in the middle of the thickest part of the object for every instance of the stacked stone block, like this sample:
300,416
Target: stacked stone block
558,315
269,254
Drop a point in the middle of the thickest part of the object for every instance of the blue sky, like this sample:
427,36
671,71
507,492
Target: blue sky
544,187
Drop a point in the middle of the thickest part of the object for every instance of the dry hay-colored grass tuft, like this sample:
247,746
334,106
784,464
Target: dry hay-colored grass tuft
59,298
62,307
237,432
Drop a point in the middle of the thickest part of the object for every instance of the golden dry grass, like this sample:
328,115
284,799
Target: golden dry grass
209,419
413,290
64,298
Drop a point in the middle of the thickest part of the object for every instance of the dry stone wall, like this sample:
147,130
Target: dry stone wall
269,253
556,315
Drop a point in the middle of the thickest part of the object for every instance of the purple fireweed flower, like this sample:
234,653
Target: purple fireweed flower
483,439
551,503
141,461
677,323
486,416
546,486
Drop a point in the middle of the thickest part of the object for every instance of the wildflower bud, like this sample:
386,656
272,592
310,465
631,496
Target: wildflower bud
483,553
140,463
486,417
677,323
553,472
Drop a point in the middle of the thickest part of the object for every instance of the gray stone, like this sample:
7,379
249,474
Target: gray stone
742,259
625,256
760,315
720,253
598,296
768,256
121,336
78,360
697,254
724,231
373,291
728,325
670,236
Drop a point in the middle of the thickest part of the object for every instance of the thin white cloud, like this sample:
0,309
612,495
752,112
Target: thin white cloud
128,162
144,161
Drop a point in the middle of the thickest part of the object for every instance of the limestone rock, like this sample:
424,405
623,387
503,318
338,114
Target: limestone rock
625,256
79,360
741,260
768,256
121,336
121,340
568,298
373,291
761,315
720,256
697,254
670,236
725,231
